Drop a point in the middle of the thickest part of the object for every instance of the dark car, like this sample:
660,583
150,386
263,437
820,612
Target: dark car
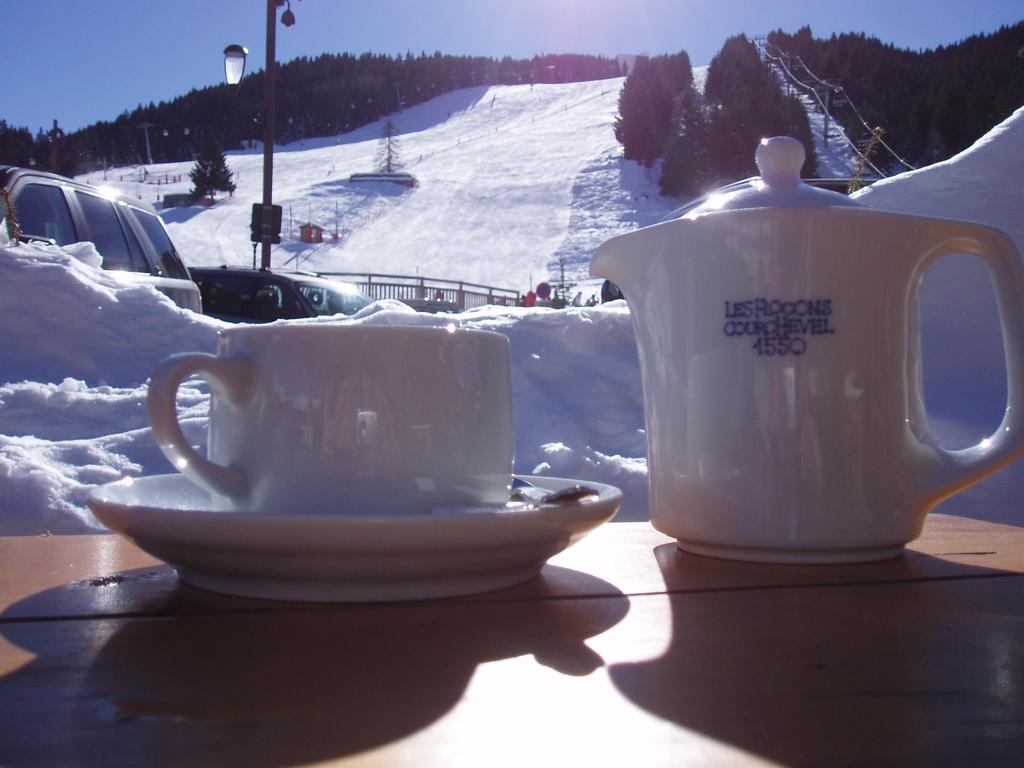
127,233
241,295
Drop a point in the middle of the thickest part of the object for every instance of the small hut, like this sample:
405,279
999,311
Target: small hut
311,233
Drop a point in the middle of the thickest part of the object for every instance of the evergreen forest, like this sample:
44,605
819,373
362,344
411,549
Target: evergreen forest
931,104
703,140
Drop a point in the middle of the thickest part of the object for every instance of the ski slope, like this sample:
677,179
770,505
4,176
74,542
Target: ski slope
515,185
513,182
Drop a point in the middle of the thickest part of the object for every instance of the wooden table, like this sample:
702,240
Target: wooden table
625,651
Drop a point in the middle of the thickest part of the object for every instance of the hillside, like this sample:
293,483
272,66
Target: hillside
510,180
320,96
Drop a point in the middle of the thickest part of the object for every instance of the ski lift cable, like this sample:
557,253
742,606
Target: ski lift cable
779,60
813,91
840,89
853,106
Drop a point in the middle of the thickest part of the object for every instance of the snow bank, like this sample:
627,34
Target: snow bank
79,348
64,317
983,183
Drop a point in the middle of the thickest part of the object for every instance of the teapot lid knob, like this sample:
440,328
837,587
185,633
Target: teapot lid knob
779,160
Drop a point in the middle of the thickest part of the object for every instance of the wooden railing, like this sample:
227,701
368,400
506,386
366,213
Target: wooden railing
429,293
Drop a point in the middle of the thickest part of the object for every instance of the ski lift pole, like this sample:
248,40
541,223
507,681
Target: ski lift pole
269,116
829,85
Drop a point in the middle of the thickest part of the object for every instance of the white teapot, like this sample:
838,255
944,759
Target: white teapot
779,339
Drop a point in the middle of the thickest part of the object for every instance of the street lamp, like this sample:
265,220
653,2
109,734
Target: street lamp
287,18
234,63
234,60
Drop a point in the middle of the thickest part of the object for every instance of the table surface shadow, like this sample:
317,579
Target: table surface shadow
624,650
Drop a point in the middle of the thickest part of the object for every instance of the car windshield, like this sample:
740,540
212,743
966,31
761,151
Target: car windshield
330,298
169,261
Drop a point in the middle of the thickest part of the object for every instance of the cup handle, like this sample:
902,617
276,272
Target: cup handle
956,470
230,382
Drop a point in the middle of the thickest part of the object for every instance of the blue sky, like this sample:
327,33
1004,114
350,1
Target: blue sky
86,60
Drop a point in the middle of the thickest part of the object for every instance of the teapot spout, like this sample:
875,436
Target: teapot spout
624,259
608,260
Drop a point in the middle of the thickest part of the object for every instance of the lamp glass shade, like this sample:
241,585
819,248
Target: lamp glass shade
234,63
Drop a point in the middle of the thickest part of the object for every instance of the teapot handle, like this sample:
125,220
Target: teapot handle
959,469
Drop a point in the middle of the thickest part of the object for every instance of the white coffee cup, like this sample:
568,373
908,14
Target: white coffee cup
350,419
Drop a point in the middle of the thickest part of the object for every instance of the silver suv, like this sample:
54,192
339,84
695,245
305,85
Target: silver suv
127,233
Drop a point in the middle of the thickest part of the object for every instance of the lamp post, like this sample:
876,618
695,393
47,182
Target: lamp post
269,116
234,65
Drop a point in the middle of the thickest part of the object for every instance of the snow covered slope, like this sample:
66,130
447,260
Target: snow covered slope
983,183
836,159
512,179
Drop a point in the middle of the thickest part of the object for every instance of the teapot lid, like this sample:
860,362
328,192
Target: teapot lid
779,160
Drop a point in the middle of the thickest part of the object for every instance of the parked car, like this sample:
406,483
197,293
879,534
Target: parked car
127,233
242,295
433,306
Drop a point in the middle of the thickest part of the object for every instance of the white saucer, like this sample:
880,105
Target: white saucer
333,557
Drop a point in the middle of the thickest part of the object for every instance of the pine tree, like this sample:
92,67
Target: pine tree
634,127
647,104
745,104
15,144
687,168
387,159
210,173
